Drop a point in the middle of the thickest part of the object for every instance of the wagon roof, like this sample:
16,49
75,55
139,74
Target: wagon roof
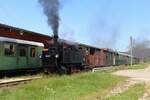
5,39
85,45
124,54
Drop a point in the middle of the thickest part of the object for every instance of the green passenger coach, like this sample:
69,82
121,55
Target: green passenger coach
16,54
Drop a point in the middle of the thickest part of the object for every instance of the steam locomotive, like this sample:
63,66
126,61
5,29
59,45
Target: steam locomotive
63,58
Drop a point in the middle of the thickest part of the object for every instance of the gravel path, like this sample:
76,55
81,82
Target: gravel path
140,75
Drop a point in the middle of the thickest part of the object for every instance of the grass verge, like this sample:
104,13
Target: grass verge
138,66
72,87
124,67
132,93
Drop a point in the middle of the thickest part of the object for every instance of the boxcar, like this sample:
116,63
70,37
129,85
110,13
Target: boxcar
115,59
108,57
124,59
100,57
18,54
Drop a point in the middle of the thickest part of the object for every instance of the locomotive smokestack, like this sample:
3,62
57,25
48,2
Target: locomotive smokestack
55,36
51,10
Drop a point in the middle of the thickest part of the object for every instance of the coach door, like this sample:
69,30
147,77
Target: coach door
22,56
33,61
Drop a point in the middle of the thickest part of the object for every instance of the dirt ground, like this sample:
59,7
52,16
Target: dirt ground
139,74
135,76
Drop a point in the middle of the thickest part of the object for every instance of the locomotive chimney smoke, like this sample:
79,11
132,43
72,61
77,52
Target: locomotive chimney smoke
51,10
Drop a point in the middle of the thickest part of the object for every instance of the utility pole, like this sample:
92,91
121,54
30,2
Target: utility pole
131,50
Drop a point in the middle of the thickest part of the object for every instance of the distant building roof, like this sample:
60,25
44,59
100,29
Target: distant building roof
20,29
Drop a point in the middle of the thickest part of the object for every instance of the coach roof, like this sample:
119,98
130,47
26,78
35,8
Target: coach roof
5,39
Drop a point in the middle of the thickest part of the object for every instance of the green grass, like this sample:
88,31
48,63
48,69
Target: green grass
132,93
138,66
72,87
75,87
124,67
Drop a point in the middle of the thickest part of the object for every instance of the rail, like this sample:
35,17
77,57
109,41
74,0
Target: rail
14,82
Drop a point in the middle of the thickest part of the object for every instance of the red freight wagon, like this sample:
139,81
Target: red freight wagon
97,57
103,60
93,56
109,57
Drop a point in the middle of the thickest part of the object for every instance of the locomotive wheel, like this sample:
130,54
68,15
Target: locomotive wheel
46,71
62,70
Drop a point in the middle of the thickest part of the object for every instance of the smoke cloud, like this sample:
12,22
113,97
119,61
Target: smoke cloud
51,10
105,29
104,34
141,49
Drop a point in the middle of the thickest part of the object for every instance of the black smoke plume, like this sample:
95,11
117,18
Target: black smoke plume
51,10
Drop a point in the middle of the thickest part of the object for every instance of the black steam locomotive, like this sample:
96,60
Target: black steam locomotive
62,58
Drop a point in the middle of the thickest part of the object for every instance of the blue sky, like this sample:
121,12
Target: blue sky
103,23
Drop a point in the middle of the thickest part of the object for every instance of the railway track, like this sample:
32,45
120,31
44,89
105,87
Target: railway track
18,81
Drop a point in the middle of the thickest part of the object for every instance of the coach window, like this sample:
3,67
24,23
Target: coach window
32,52
22,51
9,49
